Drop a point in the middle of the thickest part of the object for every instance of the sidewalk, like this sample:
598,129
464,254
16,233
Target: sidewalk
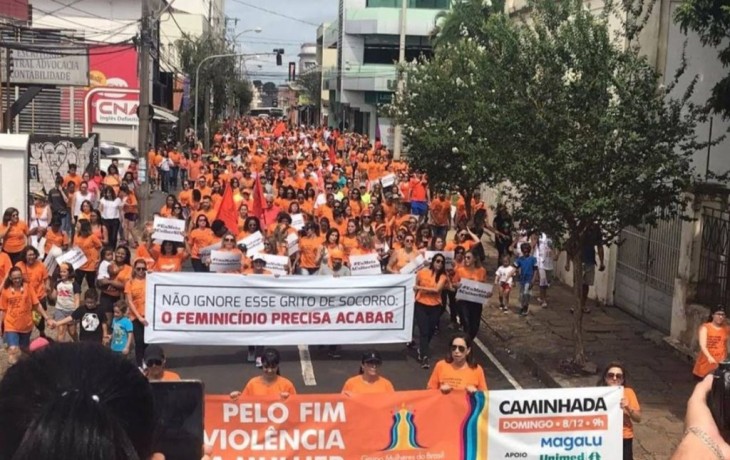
660,376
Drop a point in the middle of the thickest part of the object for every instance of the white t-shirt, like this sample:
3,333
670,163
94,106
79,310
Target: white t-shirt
111,209
66,291
544,253
505,274
103,272
79,198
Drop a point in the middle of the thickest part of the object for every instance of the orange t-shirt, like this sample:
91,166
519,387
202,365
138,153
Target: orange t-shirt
308,250
5,265
198,239
185,197
633,403
169,263
358,385
258,387
17,237
427,278
90,245
402,258
18,308
137,290
716,345
473,273
124,275
35,276
458,379
418,190
440,210
59,239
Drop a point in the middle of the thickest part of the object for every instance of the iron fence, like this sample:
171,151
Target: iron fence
713,283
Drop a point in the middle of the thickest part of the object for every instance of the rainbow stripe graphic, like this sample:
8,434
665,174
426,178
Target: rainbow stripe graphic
474,428
403,432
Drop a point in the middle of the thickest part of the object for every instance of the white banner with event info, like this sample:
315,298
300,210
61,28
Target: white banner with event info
225,309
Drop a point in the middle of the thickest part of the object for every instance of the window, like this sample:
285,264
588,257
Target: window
383,49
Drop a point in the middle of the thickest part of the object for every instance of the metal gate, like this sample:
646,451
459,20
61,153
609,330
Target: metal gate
645,271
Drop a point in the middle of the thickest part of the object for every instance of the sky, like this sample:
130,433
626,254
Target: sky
286,24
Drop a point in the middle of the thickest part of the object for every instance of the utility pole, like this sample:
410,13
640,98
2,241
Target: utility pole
398,131
8,71
143,56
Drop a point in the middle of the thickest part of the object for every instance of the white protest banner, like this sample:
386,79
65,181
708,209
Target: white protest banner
168,229
75,256
205,252
547,424
292,242
50,260
413,266
297,221
474,291
215,309
225,261
387,180
448,255
575,423
365,264
254,243
278,265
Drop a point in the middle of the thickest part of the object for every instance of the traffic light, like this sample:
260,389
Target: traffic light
279,52
11,64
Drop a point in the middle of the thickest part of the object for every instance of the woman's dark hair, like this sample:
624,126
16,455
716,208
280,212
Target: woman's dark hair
70,268
330,232
97,213
197,196
174,199
127,254
8,214
602,381
84,228
442,270
164,244
109,190
271,358
250,219
30,249
202,216
112,168
91,206
470,359
9,283
432,244
219,228
75,400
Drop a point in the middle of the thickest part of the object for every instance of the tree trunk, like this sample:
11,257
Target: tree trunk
579,356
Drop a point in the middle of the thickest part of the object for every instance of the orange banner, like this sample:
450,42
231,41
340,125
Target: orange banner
410,425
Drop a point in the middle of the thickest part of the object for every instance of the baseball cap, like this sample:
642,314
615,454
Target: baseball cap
336,254
258,256
154,353
372,356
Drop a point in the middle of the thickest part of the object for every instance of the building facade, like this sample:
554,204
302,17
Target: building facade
366,37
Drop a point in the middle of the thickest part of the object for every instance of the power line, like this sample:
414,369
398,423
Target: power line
275,13
83,26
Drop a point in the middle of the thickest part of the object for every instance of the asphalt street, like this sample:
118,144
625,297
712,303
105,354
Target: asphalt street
224,368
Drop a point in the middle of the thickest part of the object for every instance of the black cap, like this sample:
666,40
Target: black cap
154,352
717,308
372,356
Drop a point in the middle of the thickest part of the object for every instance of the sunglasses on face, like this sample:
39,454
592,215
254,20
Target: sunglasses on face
614,375
228,239
409,240
140,269
154,362
460,348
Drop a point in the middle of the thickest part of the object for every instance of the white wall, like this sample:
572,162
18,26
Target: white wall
13,172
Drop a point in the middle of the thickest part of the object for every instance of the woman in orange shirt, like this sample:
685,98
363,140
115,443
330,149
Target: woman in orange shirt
199,238
17,301
615,375
35,275
14,234
471,312
90,245
403,256
166,209
713,337
349,239
169,258
98,229
429,284
459,370
55,237
135,291
270,382
369,380
311,250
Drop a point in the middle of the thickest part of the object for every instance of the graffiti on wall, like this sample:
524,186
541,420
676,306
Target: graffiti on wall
51,155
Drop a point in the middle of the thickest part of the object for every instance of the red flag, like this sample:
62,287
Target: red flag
333,156
258,198
279,130
227,211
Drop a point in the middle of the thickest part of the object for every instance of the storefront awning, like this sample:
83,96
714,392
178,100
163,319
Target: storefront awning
164,115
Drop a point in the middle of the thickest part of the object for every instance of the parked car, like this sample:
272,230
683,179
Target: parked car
124,154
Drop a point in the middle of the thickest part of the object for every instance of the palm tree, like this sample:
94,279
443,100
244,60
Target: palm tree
466,18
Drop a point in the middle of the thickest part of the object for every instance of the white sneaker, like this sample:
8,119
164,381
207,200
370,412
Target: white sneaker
251,356
259,364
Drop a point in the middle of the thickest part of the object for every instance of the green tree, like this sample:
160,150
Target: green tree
214,74
595,138
311,82
467,18
711,20
242,95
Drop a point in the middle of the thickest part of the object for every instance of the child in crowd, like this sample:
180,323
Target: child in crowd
503,278
92,322
107,257
527,268
121,337
67,301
